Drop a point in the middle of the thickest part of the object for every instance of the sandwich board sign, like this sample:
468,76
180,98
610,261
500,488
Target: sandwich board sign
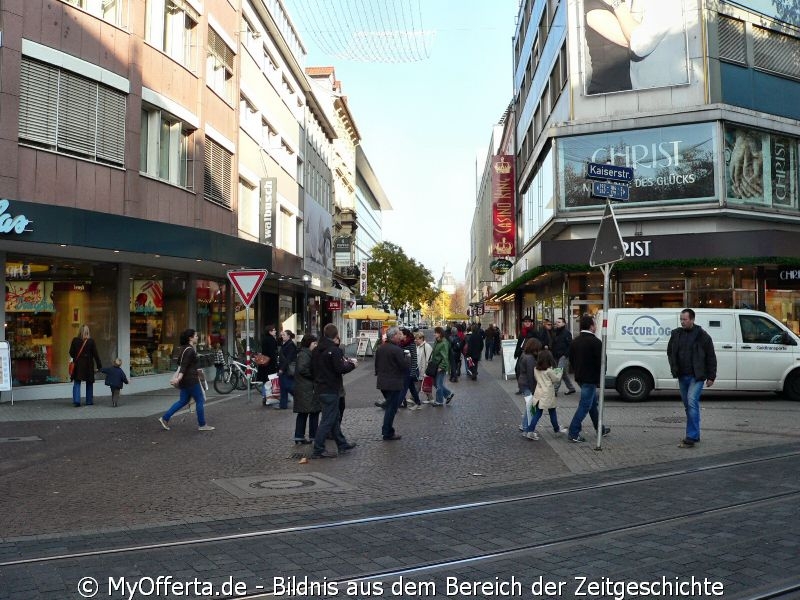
247,283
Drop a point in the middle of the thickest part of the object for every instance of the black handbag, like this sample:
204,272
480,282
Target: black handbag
432,369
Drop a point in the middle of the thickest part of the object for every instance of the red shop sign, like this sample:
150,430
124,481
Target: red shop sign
334,304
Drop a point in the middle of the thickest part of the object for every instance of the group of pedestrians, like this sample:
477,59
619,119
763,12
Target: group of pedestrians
313,374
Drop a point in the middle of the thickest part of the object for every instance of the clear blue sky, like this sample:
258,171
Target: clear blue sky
423,123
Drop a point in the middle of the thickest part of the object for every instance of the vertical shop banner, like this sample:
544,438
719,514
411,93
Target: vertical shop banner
670,164
362,279
761,168
343,251
318,239
266,208
504,225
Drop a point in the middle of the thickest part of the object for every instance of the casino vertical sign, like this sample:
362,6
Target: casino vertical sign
504,221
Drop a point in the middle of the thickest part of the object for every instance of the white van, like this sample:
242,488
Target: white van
755,352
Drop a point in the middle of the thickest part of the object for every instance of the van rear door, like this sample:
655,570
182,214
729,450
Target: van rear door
762,357
722,329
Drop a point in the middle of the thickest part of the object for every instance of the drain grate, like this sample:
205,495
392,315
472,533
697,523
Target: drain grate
670,419
30,438
281,485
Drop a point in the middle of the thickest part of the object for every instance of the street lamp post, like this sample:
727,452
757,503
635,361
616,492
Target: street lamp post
306,281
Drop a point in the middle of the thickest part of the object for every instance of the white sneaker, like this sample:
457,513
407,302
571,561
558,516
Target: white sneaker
562,430
532,435
163,423
206,428
412,406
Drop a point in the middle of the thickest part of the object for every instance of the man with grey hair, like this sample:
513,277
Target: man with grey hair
391,366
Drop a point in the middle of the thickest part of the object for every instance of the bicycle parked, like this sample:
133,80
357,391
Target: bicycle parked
234,377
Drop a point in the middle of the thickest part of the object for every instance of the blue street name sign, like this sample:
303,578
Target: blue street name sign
614,191
609,172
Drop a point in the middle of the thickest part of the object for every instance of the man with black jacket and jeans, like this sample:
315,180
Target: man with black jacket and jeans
562,340
585,356
391,366
692,360
328,364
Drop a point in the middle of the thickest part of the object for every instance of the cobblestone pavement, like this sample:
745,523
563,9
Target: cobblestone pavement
99,468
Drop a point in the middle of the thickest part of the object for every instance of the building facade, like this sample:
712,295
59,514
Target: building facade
149,148
693,96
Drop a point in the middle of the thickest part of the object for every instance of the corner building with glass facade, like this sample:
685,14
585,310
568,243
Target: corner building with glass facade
698,98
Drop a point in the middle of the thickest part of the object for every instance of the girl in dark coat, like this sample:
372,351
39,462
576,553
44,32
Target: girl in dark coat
83,353
306,404
269,348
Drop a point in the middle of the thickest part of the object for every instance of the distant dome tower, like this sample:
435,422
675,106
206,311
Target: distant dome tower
447,283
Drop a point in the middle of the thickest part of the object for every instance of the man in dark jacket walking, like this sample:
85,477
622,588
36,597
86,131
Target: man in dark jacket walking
328,364
692,360
585,355
391,366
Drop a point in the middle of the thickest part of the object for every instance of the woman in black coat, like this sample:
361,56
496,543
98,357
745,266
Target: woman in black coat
473,349
83,353
287,354
306,404
269,348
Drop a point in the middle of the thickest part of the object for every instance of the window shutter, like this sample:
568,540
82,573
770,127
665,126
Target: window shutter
776,52
111,126
77,113
38,103
731,40
217,174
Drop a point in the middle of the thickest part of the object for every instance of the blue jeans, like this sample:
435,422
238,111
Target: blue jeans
690,394
410,385
287,387
587,405
195,392
329,423
563,364
393,400
76,393
441,391
489,350
553,419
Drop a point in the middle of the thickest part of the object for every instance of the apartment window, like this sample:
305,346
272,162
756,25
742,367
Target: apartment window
62,111
108,10
217,174
172,27
219,66
250,33
166,149
248,115
269,137
270,64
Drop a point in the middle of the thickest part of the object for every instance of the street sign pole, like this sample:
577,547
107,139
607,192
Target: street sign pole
607,250
247,283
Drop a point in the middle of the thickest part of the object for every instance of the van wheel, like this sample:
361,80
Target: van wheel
634,385
791,387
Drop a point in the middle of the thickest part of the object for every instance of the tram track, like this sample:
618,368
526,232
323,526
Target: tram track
398,516
753,486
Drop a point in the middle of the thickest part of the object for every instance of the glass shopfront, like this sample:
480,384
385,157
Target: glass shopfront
47,300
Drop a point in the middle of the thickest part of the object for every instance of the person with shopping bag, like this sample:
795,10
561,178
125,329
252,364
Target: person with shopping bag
526,380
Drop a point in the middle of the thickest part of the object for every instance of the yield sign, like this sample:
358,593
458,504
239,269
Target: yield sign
608,247
247,283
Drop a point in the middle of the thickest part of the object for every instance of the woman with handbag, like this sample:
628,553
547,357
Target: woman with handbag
187,380
83,352
267,363
287,355
424,351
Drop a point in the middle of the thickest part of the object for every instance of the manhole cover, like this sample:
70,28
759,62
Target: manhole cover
30,438
670,419
281,485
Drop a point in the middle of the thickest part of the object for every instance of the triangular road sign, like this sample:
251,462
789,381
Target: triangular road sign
608,246
247,283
